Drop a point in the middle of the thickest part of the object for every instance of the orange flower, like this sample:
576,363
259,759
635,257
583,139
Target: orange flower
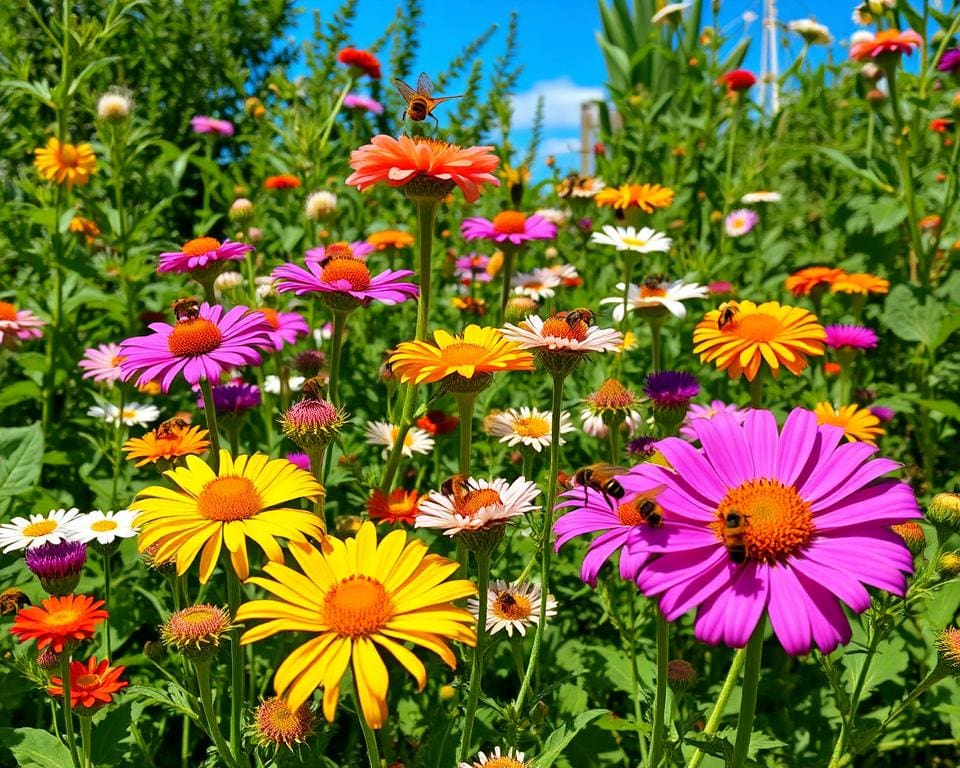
643,196
941,124
831,369
803,282
86,227
65,163
92,685
860,282
858,424
431,164
283,181
390,238
739,342
172,439
60,621
362,60
401,507
887,42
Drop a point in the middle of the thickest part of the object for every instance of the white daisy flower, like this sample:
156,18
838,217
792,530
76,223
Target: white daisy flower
645,240
592,422
512,607
669,12
556,334
133,414
477,504
383,433
271,383
227,281
553,215
265,288
762,196
526,426
538,284
811,31
656,294
105,527
508,759
566,272
37,530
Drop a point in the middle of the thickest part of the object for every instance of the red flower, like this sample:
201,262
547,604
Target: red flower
831,369
941,124
737,80
438,422
92,685
401,507
60,621
283,181
887,41
362,60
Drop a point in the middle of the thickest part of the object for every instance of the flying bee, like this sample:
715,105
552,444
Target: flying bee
420,104
651,513
728,311
12,600
654,281
580,314
601,477
734,530
456,486
186,309
169,428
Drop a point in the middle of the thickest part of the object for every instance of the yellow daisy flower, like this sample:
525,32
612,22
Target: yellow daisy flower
65,163
352,598
858,424
207,510
647,197
476,351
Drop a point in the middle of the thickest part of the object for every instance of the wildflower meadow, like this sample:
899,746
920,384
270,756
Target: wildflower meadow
340,427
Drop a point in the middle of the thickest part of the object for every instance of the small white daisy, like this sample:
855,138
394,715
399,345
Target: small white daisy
593,425
271,383
553,215
669,12
477,504
655,293
526,426
567,273
383,433
37,530
763,196
556,334
811,31
105,527
512,607
538,284
645,240
496,759
133,414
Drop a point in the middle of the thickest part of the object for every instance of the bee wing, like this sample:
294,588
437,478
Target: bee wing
405,90
424,86
439,99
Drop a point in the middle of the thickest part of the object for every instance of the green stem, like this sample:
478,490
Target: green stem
847,720
713,721
50,375
210,412
634,664
509,262
208,155
748,696
68,707
656,324
527,469
660,698
465,404
476,669
426,220
206,702
613,434
628,261
756,391
86,741
333,115
369,737
731,145
106,596
236,666
339,324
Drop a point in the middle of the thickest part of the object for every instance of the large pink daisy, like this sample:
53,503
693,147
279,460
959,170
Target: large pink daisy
17,324
286,327
203,343
102,363
345,278
203,253
791,523
508,226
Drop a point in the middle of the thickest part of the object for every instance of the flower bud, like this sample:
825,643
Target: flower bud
948,564
944,509
681,675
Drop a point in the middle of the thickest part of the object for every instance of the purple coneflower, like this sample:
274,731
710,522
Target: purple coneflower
671,389
58,566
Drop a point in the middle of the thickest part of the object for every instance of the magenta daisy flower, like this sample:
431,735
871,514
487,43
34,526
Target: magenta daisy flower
203,343
850,337
102,363
363,103
740,222
671,389
697,411
345,279
288,327
235,396
472,267
17,325
791,523
358,249
950,61
508,226
204,124
203,253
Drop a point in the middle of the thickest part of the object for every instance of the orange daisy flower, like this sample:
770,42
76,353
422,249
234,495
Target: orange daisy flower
802,282
742,337
86,227
886,42
401,507
858,424
283,181
59,621
390,238
647,197
65,163
172,439
429,164
92,685
860,282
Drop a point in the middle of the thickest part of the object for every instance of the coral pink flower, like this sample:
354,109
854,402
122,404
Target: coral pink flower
102,363
885,42
202,253
813,524
347,277
203,343
204,124
509,226
287,327
17,324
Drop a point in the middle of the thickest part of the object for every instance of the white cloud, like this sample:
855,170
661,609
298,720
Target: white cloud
561,103
559,146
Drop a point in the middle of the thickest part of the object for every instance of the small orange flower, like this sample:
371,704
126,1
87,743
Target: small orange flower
172,439
831,369
941,124
65,163
803,282
282,181
647,197
860,282
887,42
92,685
858,424
400,508
390,238
438,422
59,621
86,227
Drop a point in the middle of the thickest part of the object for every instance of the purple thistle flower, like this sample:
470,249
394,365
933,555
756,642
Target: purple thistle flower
671,389
850,336
882,412
58,566
950,61
235,397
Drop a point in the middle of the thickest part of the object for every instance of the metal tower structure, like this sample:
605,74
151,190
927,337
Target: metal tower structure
770,60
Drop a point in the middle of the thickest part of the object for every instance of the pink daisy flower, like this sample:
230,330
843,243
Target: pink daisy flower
850,337
740,222
203,253
697,411
508,226
472,267
356,250
345,278
204,342
364,103
18,324
813,518
287,327
204,124
102,363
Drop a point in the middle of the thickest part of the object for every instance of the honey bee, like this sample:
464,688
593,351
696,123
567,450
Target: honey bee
580,314
420,104
170,428
12,600
315,388
601,477
728,311
651,513
734,528
455,487
186,309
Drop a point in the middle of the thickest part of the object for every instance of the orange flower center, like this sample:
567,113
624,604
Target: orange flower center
87,681
200,246
612,394
629,512
531,426
473,501
338,251
272,316
103,525
41,528
757,327
229,498
357,606
510,223
462,353
558,327
69,155
8,312
776,520
512,606
503,762
66,619
646,292
194,336
353,271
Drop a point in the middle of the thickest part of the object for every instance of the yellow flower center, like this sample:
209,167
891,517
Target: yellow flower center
358,605
69,155
8,312
473,501
87,681
738,222
229,498
104,525
510,223
463,353
353,271
559,327
503,762
41,528
531,426
511,606
776,520
194,336
57,621
116,361
200,246
635,241
272,316
757,327
407,441
647,292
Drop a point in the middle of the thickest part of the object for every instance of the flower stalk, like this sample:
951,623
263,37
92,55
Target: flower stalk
476,669
748,695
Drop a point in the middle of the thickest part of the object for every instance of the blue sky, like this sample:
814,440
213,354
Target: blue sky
560,57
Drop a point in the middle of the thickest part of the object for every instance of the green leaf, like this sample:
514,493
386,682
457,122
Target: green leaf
21,456
558,740
35,748
18,392
887,213
946,407
841,159
903,315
